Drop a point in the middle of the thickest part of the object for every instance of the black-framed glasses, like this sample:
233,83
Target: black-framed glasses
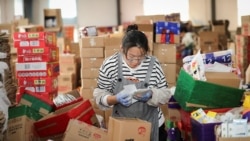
133,59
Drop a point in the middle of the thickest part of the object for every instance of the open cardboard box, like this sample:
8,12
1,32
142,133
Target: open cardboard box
221,90
57,122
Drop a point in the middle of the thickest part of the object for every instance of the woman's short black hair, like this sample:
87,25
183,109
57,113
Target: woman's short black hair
133,37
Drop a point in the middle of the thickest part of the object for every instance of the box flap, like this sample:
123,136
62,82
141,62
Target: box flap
223,78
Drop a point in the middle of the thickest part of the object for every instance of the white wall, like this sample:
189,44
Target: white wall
227,9
96,12
105,13
37,15
129,9
200,11
7,11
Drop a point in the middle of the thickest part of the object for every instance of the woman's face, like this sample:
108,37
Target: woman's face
134,56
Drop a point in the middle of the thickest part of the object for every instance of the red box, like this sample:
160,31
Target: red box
46,96
57,122
38,81
38,55
33,43
49,36
37,69
35,51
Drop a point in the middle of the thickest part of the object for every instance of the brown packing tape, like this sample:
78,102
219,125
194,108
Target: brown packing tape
195,105
28,103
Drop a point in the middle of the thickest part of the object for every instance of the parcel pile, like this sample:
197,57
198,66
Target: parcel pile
210,97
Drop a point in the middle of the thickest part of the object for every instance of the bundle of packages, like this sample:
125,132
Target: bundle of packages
5,69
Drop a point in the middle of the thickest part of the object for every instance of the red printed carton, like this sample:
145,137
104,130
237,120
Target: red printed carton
33,43
39,84
37,69
57,122
35,51
48,36
37,55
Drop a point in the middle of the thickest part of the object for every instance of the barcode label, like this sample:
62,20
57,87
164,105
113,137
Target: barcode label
40,89
24,43
33,35
27,66
39,82
38,50
34,43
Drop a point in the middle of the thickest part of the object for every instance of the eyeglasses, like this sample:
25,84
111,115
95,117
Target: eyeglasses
133,59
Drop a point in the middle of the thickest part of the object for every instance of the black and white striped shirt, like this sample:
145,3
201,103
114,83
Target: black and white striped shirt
108,75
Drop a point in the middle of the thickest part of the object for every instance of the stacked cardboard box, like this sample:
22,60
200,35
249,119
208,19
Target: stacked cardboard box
37,66
92,56
67,80
242,43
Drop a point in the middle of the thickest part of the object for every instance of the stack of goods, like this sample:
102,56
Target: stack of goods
5,69
242,50
37,66
92,55
209,82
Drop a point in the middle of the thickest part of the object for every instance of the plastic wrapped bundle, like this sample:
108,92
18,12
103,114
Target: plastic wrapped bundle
223,57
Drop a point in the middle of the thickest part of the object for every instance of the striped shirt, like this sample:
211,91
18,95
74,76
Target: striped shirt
108,75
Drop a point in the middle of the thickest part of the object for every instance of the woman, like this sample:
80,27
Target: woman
133,66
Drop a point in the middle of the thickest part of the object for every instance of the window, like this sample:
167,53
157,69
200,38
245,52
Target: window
19,11
243,9
151,7
68,9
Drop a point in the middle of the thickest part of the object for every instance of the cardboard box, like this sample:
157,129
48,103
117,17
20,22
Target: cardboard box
146,27
91,62
62,44
224,78
78,130
170,72
110,52
75,49
56,122
113,42
68,68
37,51
96,52
234,139
44,96
53,20
29,36
20,123
247,79
89,83
121,129
66,82
209,41
192,94
93,41
87,63
37,104
7,28
33,43
90,73
37,69
67,58
221,29
37,55
149,19
86,93
30,28
166,53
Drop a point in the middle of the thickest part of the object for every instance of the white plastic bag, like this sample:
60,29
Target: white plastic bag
197,67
